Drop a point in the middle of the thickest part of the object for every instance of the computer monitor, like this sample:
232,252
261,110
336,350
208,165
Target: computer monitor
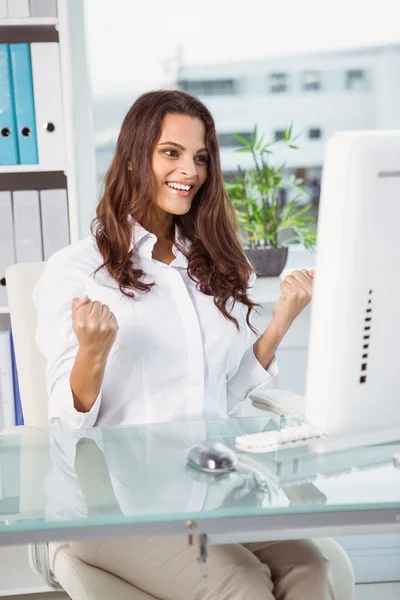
353,376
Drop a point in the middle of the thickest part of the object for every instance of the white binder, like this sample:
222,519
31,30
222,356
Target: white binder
18,8
7,409
43,8
48,105
7,252
55,229
3,9
27,232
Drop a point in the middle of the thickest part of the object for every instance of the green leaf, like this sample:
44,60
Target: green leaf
266,150
293,147
254,136
243,150
248,227
303,210
282,166
241,139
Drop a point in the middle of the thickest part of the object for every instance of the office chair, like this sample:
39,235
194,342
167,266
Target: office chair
60,568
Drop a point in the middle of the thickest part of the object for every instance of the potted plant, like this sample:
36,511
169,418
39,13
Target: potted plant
262,217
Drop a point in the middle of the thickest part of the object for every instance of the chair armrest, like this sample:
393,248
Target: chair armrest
341,568
281,402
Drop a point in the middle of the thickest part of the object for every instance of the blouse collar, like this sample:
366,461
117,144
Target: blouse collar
143,242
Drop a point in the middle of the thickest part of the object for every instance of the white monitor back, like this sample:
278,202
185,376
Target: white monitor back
353,378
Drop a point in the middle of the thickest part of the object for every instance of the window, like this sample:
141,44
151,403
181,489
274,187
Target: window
239,88
278,83
314,134
211,87
356,79
229,176
226,140
301,173
311,81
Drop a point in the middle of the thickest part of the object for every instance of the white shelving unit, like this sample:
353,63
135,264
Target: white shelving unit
30,21
16,576
22,169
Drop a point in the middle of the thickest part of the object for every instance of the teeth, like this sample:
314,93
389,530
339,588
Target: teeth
178,186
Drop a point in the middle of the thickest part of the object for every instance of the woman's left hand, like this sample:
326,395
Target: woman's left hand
296,291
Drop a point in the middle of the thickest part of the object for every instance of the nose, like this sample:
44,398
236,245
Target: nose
187,167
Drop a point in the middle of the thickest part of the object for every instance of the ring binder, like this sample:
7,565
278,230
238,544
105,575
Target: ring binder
24,103
8,124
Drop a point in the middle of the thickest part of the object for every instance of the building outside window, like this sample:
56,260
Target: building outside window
279,134
226,140
311,81
211,87
356,79
278,83
314,133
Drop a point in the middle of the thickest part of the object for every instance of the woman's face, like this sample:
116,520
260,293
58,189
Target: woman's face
179,162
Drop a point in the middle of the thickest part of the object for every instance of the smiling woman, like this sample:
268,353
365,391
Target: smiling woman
166,176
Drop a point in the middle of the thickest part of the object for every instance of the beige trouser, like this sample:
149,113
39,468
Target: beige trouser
167,568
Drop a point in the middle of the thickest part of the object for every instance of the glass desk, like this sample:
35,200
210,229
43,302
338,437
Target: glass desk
111,482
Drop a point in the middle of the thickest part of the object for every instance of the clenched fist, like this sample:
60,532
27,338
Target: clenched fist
95,326
296,291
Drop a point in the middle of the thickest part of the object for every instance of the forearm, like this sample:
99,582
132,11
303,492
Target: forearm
86,379
267,344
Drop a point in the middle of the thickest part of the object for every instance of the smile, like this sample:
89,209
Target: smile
179,186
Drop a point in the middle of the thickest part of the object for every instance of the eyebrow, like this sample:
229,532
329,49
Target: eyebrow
179,146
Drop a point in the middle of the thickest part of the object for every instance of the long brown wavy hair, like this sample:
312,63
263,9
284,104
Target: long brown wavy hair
216,259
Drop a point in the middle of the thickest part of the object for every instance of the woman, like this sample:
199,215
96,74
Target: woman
148,320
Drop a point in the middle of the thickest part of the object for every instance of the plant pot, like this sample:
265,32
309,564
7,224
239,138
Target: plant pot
268,262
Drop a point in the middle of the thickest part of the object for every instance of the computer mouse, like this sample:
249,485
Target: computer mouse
212,457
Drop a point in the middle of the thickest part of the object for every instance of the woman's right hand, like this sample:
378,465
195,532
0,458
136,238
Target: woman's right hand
95,326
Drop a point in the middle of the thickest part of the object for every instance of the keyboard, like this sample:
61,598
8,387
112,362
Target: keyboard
267,441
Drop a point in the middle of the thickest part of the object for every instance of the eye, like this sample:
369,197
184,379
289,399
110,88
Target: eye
203,158
173,153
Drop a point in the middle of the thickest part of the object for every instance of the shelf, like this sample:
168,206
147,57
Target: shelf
26,169
4,310
29,21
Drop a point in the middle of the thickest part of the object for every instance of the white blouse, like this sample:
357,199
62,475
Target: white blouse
175,357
